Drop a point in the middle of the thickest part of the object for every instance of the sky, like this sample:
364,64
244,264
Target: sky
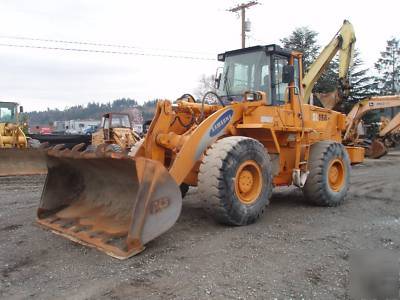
41,78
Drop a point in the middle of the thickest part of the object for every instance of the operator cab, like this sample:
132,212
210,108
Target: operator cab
116,120
8,112
258,68
112,121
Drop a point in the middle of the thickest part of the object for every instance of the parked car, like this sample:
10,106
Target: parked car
90,129
45,131
71,131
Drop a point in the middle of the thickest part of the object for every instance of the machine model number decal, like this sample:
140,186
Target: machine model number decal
221,123
376,104
322,117
158,205
319,117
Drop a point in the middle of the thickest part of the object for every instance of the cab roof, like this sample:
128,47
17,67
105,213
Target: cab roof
8,102
272,48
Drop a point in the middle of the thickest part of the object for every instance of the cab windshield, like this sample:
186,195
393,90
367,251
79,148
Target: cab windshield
254,71
120,121
8,113
245,72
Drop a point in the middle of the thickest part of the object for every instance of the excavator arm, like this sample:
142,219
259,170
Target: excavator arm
392,126
343,42
361,108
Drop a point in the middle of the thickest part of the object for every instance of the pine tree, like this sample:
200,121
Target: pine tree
388,66
328,82
303,39
362,85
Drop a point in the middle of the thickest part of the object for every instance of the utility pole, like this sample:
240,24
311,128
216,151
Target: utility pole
242,8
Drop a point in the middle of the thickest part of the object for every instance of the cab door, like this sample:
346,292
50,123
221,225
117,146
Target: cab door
278,88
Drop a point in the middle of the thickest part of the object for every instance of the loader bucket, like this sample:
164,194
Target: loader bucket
14,161
108,200
376,150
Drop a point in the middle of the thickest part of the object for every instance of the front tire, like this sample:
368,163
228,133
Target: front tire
235,180
329,178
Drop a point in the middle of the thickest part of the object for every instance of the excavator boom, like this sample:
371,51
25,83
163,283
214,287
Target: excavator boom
392,126
343,42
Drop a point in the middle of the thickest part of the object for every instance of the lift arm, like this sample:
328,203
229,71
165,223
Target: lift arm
364,106
343,42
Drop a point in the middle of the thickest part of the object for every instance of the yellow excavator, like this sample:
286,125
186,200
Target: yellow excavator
343,43
377,148
389,132
19,155
255,133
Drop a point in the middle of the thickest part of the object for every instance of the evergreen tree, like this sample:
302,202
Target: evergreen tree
303,39
92,110
362,85
328,82
388,66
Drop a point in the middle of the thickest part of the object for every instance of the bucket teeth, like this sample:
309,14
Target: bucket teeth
55,151
59,147
44,146
78,147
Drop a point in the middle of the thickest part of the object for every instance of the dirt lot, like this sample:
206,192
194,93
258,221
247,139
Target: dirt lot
295,251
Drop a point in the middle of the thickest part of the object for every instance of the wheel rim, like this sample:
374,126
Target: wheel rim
248,182
336,176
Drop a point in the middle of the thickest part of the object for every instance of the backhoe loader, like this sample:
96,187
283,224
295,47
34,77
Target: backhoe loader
377,148
18,154
116,131
255,133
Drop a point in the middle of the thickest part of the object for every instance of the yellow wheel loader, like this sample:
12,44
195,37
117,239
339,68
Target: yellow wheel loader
116,131
255,133
19,155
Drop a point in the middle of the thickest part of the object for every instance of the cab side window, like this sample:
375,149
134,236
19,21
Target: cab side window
296,75
278,87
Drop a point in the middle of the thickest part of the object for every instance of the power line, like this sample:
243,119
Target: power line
95,44
242,8
105,51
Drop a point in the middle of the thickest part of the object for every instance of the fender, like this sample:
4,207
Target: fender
202,137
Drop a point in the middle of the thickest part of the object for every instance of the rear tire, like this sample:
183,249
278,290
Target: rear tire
184,189
235,180
329,177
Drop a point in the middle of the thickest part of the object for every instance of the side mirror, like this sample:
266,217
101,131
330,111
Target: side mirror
21,109
217,80
287,74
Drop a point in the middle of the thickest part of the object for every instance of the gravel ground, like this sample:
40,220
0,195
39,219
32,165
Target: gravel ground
295,251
